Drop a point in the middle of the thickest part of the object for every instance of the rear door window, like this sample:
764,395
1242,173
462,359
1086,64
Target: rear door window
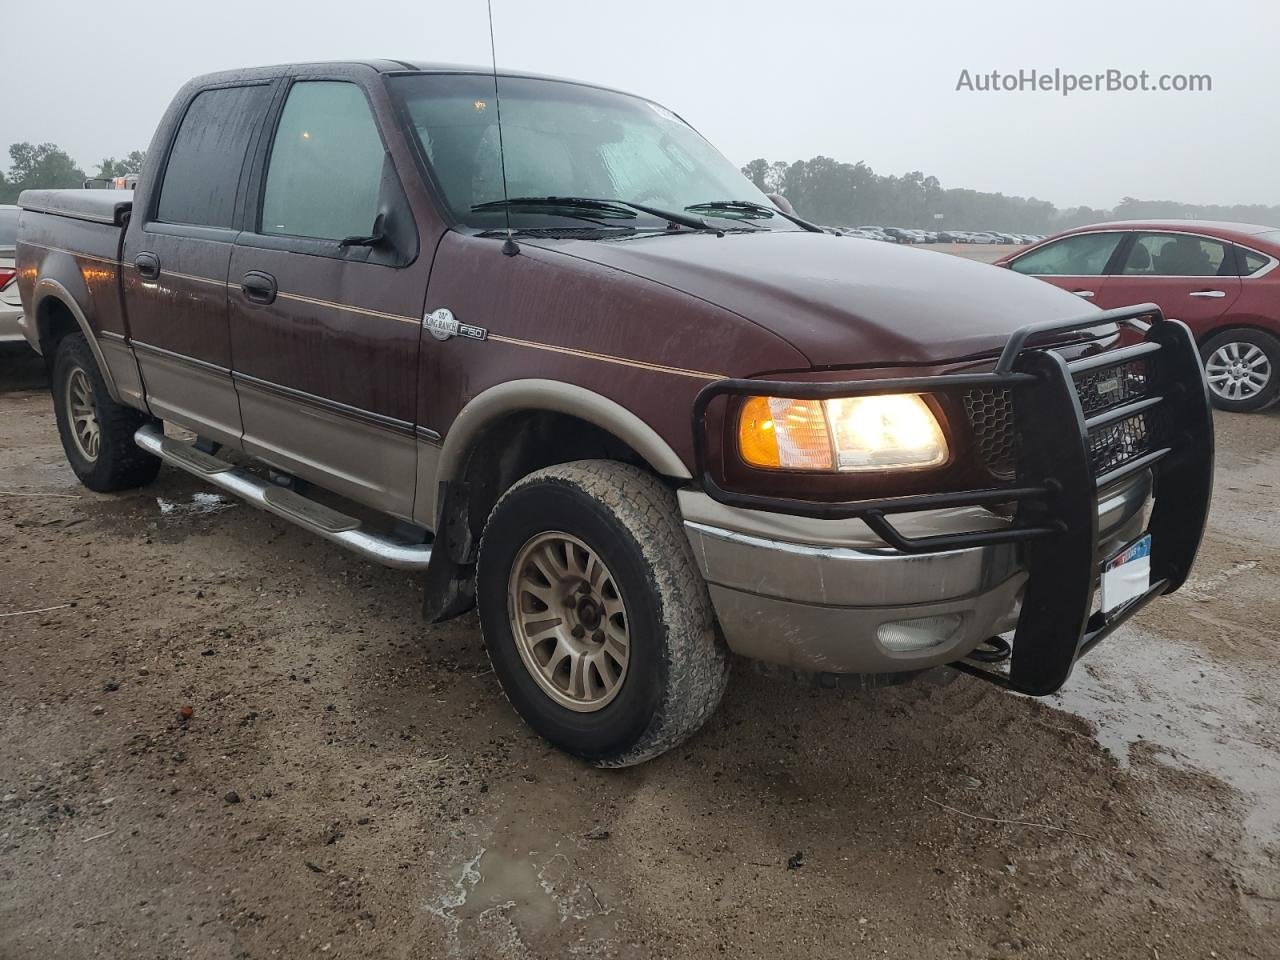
1178,255
203,172
1079,255
325,172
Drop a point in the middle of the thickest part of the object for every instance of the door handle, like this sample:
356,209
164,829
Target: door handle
147,265
1087,294
259,287
1212,294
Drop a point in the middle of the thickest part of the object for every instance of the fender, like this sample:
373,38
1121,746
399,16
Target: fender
554,396
47,287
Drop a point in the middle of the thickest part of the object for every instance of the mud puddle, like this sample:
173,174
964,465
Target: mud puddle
526,884
1198,713
197,505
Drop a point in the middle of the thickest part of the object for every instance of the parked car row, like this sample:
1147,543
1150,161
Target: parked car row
912,235
1220,279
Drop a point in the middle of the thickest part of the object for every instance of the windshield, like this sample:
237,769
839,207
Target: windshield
566,140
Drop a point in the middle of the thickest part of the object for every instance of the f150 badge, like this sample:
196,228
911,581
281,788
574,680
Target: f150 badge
442,325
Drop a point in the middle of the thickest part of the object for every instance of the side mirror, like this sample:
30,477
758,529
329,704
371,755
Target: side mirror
782,203
376,237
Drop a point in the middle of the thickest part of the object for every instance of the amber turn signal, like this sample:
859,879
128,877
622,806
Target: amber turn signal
777,433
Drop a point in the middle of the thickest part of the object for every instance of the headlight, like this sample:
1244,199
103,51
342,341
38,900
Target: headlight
849,434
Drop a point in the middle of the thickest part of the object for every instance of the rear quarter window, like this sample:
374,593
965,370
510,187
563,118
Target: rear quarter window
1250,260
203,172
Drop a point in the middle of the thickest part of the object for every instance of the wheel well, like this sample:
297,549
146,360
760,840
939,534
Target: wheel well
1228,328
516,445
506,450
54,321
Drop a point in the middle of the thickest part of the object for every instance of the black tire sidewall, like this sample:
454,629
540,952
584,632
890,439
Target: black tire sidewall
552,504
1265,342
120,465
73,353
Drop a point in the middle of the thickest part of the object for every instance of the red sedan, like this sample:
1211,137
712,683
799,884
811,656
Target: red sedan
1218,278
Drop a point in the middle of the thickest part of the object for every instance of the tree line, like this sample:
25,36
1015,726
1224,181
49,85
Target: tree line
842,194
822,189
46,166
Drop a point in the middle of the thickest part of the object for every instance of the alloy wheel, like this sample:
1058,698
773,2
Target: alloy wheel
83,414
1238,371
569,621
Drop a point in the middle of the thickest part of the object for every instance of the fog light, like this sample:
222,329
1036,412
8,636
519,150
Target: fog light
911,636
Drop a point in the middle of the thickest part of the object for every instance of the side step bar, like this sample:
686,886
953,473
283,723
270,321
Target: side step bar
316,517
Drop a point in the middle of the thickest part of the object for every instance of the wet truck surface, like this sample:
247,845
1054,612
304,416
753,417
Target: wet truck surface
580,374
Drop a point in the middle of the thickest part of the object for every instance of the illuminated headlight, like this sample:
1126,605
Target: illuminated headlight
850,434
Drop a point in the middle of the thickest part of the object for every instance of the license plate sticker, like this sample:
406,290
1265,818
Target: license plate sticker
1127,575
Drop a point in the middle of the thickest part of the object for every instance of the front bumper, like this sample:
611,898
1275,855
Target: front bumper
1084,431
832,607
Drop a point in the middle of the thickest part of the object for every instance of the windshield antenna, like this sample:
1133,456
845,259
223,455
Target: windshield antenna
509,246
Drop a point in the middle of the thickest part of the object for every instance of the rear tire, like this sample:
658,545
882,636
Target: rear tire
1243,369
97,433
621,661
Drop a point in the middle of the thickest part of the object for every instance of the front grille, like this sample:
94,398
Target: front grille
1114,444
1100,390
991,417
1119,442
990,413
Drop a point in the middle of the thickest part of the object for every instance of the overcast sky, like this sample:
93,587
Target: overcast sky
872,81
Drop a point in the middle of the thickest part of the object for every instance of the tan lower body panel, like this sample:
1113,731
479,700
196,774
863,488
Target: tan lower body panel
425,506
199,397
123,368
370,464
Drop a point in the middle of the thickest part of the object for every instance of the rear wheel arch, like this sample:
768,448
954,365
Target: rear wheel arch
57,314
1232,326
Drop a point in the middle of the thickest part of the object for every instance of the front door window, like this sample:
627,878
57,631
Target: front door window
1079,255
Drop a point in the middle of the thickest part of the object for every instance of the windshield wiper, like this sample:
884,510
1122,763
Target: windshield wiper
759,208
615,207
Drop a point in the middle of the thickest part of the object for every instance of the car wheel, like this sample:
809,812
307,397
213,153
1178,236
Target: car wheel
595,615
1242,368
97,433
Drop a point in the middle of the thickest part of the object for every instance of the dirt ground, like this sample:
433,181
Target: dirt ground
351,783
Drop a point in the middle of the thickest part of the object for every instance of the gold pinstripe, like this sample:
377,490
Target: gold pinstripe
192,277
73,253
607,358
365,311
350,309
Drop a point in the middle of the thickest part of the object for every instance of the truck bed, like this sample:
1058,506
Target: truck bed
97,206
71,238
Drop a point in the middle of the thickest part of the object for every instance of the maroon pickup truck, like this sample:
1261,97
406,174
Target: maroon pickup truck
540,341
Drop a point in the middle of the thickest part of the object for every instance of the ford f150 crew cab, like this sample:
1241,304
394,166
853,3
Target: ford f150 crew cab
540,341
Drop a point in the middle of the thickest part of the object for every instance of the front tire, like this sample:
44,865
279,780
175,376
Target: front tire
1243,369
97,433
595,615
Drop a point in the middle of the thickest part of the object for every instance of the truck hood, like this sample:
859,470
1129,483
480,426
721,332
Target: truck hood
843,301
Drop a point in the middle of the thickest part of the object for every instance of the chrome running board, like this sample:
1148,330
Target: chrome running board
316,517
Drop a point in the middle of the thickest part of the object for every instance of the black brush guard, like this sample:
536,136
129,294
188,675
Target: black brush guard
1056,483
